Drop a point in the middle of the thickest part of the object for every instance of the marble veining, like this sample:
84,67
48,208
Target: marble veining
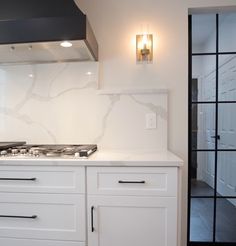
114,99
59,103
158,109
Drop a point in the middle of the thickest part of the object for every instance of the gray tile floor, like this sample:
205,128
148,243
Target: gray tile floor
201,224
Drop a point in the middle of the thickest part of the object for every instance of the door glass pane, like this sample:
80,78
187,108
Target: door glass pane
227,78
226,173
201,219
225,220
204,78
202,173
204,33
227,126
227,32
203,126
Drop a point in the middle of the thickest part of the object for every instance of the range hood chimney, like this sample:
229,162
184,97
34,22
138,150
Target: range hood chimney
31,31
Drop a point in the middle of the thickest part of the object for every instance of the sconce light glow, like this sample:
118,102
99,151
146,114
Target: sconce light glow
66,44
31,75
144,48
89,73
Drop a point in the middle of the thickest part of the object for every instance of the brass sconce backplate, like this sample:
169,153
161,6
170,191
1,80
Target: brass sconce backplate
144,48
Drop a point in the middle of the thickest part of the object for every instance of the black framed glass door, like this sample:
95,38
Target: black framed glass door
212,130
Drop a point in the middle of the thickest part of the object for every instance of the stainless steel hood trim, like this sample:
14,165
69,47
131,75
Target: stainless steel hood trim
37,62
43,53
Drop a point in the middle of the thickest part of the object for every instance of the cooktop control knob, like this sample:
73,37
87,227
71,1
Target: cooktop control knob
14,151
77,154
35,153
3,152
31,151
23,151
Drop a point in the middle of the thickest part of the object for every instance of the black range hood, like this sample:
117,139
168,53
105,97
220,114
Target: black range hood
31,32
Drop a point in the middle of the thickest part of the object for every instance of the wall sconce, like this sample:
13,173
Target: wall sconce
144,48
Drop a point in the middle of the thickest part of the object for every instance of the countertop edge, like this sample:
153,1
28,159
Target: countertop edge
103,158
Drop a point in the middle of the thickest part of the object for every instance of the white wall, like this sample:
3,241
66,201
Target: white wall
116,23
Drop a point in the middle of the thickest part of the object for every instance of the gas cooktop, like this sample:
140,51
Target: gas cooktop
21,149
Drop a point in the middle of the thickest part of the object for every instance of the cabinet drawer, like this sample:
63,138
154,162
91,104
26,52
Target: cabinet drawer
42,216
49,179
33,242
138,181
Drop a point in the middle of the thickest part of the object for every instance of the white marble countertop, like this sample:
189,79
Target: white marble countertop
104,158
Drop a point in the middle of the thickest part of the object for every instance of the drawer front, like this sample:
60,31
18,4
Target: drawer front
33,242
42,216
138,181
42,179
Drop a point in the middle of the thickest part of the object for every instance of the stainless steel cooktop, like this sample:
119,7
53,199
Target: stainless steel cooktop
21,149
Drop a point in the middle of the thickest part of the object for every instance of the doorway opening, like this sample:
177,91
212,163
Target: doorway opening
212,129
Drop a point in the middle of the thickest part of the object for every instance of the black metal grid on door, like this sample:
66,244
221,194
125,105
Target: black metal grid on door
216,150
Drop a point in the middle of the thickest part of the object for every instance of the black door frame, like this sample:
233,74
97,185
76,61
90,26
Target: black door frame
216,149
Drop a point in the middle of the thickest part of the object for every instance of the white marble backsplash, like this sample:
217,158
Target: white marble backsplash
59,103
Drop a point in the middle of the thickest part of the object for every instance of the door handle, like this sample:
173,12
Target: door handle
19,179
18,216
131,182
218,137
92,226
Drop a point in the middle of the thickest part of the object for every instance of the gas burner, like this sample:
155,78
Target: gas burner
34,151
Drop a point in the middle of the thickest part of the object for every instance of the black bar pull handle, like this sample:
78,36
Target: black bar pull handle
92,226
218,137
19,179
131,182
18,216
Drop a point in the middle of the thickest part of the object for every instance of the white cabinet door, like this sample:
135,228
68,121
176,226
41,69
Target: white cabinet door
132,221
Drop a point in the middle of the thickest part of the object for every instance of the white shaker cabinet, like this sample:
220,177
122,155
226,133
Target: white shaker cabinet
42,205
76,205
132,206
